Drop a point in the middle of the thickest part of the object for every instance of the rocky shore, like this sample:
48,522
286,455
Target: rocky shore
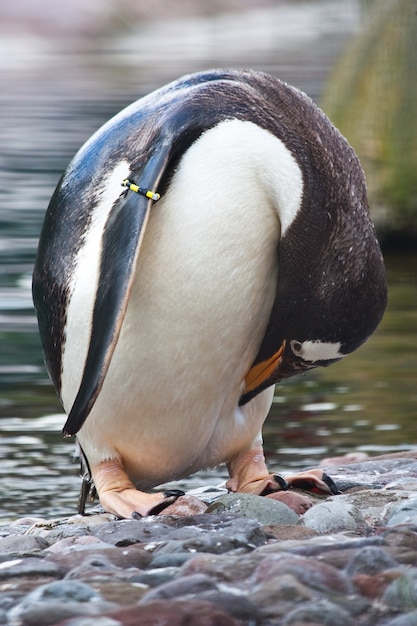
218,559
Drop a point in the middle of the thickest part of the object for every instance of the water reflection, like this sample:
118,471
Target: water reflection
52,97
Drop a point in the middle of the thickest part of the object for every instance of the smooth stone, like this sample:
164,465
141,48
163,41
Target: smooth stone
22,543
403,513
312,573
320,612
233,602
29,521
185,506
223,568
84,542
98,567
120,592
53,532
212,544
29,566
322,545
171,560
155,577
183,586
175,613
409,619
72,556
283,532
128,532
297,502
401,594
264,510
402,544
271,594
370,560
335,515
242,533
377,472
374,585
376,503
49,604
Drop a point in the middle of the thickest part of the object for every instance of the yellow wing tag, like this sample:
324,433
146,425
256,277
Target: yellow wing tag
152,195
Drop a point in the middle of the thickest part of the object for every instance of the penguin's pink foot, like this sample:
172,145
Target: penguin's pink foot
249,474
119,496
314,480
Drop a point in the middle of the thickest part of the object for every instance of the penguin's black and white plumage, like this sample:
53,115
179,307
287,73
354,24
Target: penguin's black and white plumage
165,325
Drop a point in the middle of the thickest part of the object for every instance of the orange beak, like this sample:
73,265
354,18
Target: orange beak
262,371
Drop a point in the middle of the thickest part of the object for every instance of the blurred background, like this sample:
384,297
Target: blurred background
65,69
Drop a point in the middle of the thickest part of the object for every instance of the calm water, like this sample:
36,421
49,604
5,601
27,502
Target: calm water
53,95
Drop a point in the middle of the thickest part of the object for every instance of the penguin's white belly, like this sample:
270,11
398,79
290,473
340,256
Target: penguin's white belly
202,295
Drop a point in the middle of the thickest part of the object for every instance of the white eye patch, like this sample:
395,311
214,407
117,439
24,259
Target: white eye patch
316,350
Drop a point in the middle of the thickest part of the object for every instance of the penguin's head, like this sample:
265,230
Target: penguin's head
328,309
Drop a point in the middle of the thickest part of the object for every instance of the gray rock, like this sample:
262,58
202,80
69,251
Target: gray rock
57,601
402,593
313,573
321,612
237,533
128,532
409,619
29,566
370,560
264,510
22,544
171,560
375,504
404,513
184,586
335,515
283,588
235,604
99,567
155,577
225,568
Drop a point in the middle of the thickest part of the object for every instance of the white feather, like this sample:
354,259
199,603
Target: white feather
204,286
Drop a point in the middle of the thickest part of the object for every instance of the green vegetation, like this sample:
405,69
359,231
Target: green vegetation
372,98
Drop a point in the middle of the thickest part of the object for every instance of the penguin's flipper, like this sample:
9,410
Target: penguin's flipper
122,238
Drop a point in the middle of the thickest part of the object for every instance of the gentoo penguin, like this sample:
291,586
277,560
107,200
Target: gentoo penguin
207,242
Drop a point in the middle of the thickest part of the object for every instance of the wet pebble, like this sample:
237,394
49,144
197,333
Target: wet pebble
335,515
49,604
275,561
264,510
297,502
403,513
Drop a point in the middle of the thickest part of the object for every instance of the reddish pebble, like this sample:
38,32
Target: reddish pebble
174,613
373,586
185,506
295,501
